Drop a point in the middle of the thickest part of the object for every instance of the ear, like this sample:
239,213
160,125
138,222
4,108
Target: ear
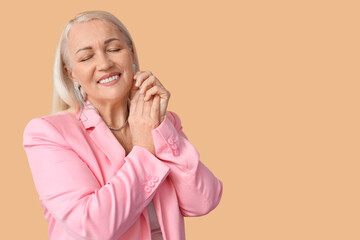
69,73
132,50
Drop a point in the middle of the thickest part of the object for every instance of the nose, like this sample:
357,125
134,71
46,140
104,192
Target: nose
104,62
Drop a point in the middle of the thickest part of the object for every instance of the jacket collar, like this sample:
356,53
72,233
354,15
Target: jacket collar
102,136
89,117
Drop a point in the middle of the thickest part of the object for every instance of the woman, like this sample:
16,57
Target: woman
113,163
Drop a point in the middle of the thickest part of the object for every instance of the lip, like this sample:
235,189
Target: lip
109,75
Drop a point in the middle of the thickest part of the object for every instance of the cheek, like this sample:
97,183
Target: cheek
82,73
126,59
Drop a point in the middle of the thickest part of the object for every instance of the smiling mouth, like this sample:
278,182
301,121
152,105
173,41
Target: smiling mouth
110,79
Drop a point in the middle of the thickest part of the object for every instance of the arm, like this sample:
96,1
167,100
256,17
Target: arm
198,190
73,195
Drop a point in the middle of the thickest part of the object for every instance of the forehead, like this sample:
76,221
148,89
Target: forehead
86,34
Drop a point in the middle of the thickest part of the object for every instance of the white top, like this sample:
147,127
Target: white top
154,223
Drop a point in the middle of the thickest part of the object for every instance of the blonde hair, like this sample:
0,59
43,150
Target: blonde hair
64,96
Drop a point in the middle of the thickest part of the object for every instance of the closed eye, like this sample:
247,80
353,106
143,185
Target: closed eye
85,59
110,50
114,50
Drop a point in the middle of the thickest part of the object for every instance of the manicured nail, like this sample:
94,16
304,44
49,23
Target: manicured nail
141,90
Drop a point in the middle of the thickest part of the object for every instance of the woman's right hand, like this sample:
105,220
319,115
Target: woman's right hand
144,116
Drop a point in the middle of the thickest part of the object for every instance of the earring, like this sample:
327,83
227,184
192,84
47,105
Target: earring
78,94
80,99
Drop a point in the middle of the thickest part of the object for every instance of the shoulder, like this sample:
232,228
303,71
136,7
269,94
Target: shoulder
51,126
61,121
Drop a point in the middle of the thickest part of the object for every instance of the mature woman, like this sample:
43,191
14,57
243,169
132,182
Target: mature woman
113,163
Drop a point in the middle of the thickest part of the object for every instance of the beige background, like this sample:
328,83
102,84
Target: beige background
268,92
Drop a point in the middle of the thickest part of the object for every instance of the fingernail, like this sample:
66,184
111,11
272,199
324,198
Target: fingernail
137,84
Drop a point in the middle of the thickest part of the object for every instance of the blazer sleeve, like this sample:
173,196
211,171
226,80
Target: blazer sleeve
198,190
72,194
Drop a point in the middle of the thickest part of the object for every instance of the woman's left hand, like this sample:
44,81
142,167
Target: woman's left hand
150,86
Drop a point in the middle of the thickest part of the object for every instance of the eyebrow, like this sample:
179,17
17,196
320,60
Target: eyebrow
105,42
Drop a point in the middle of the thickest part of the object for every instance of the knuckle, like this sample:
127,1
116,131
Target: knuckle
148,72
140,75
151,80
147,81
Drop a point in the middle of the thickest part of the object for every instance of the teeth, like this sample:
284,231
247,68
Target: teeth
110,79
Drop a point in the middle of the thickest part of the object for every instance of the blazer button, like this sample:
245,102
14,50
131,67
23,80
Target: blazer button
155,179
147,189
171,141
176,152
174,146
150,183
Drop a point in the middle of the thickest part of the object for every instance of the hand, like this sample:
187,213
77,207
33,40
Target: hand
150,86
144,116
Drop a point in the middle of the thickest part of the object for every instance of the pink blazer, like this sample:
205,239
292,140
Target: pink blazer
89,189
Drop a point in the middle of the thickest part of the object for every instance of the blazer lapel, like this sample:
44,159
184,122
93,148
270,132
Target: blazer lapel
103,137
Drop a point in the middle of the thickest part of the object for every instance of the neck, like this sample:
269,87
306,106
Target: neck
114,114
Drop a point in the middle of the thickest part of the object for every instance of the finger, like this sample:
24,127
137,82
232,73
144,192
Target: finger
136,74
147,109
161,91
155,108
140,104
134,101
133,90
148,83
141,76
